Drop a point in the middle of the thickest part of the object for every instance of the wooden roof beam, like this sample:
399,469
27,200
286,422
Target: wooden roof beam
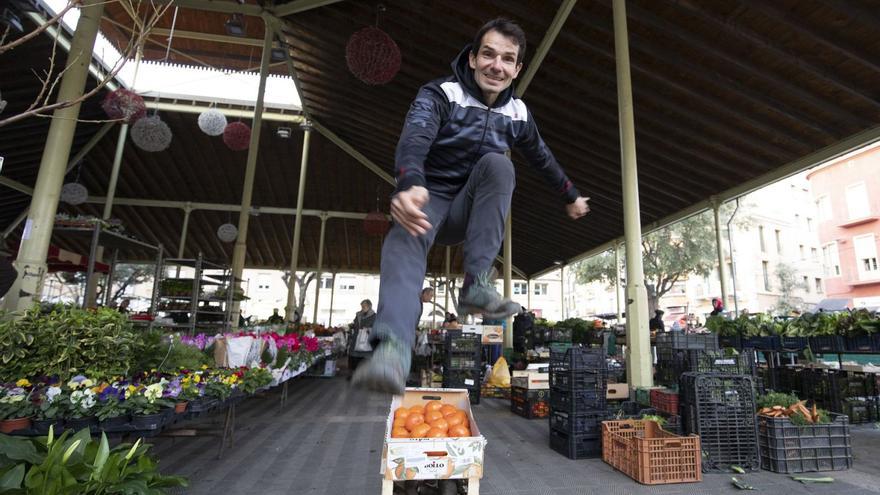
553,31
297,6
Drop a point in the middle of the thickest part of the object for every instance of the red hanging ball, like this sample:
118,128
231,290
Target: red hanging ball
124,105
237,136
372,56
375,223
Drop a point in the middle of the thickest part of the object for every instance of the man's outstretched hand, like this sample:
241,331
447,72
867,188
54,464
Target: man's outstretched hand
578,208
406,209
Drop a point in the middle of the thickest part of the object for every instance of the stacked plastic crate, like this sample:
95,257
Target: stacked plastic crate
462,365
578,384
721,410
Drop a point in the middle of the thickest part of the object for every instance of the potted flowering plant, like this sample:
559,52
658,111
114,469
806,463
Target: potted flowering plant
82,404
173,391
218,390
254,379
53,406
145,404
111,410
16,409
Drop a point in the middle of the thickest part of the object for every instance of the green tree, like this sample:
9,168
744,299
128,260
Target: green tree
669,255
302,284
788,283
125,276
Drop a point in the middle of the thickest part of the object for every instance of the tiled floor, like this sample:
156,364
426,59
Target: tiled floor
327,440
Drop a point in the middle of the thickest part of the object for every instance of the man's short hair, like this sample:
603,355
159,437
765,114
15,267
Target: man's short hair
367,302
507,28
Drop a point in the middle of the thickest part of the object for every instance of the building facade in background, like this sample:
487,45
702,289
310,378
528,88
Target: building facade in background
847,200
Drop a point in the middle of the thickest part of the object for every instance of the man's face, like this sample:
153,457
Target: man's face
494,64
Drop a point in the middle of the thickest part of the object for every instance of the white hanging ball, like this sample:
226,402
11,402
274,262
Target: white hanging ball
227,232
74,193
212,122
151,134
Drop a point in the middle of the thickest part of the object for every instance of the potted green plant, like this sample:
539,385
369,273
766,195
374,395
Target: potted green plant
254,379
111,410
16,409
82,405
53,404
146,407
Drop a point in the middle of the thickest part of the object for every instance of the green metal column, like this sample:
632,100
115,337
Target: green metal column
562,288
722,266
639,358
238,253
508,275
446,278
297,225
320,263
31,260
332,294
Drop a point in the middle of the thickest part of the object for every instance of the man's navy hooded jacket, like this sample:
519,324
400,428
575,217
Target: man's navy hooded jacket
449,127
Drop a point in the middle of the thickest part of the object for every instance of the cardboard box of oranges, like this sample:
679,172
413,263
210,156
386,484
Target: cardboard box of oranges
430,433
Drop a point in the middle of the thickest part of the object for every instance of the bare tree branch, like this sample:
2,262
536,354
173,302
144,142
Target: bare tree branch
5,48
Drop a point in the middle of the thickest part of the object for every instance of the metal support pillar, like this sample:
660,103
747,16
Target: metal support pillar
529,294
617,281
722,266
238,253
320,263
297,224
434,304
508,273
562,288
639,358
332,296
31,260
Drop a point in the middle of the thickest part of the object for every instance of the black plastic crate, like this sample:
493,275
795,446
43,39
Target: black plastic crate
721,410
530,409
826,343
463,362
564,357
582,423
571,381
794,344
673,424
734,341
687,341
529,394
458,343
789,448
559,334
576,446
461,378
765,343
863,343
578,401
860,411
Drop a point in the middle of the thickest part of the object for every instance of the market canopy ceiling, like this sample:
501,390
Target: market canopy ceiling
727,95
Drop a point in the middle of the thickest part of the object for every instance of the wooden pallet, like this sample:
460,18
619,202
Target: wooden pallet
473,486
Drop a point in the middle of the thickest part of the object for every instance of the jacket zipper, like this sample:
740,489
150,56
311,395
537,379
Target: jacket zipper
483,137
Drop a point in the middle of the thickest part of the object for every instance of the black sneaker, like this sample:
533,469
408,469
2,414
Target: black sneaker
482,298
387,369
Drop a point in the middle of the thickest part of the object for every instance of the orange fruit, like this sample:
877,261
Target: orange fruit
440,424
458,431
419,431
401,413
414,420
399,423
447,409
417,409
432,416
464,419
399,433
433,405
454,420
436,433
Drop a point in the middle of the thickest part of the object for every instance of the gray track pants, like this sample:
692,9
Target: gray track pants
474,216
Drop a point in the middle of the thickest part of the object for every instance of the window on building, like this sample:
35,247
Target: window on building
327,282
540,289
263,282
818,285
677,288
814,254
807,284
520,288
831,259
857,201
765,267
803,252
761,238
778,241
809,224
866,256
346,283
823,207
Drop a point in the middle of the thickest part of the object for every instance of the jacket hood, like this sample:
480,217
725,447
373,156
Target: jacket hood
465,75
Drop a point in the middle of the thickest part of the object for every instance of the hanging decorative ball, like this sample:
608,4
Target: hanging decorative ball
237,136
372,56
375,223
212,122
227,232
124,105
151,134
74,193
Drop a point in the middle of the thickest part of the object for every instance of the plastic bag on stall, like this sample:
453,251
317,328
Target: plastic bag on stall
500,374
422,348
362,344
238,349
